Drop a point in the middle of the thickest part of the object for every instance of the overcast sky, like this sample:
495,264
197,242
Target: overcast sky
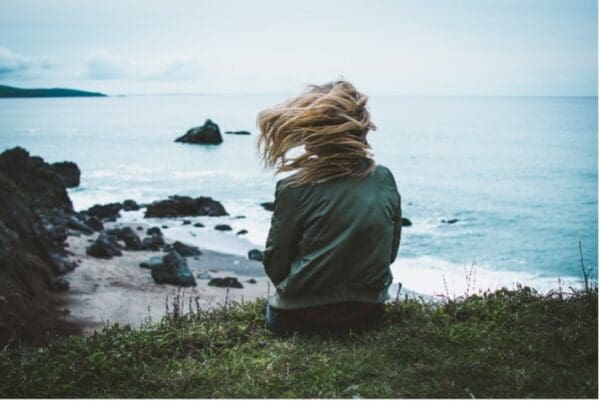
476,47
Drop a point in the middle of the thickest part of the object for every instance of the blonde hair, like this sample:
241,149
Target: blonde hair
332,123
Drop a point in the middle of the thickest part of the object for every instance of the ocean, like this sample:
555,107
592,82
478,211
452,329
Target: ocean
518,173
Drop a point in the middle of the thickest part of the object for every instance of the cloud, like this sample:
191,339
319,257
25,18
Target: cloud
15,65
104,65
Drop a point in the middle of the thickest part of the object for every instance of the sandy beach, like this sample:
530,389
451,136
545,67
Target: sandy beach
119,290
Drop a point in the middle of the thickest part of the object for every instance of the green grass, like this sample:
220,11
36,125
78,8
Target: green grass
504,344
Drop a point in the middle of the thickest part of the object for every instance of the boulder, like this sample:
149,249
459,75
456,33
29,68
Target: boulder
255,255
107,211
154,230
95,223
151,262
186,222
269,206
130,205
208,134
69,173
406,222
73,222
127,235
105,246
239,132
177,205
241,232
186,250
173,270
154,242
223,227
227,282
198,225
251,281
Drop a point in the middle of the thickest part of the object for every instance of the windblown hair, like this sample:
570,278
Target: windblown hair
332,123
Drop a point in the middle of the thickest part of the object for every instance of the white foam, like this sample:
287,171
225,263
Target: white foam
434,276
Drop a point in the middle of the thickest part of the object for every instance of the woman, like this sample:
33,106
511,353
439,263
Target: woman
337,219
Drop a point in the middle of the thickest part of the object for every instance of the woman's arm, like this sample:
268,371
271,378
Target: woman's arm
282,242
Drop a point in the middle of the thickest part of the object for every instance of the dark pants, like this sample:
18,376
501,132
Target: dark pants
331,317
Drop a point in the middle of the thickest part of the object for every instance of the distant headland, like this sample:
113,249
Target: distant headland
12,92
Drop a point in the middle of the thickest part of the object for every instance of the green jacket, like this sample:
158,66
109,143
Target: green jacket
334,241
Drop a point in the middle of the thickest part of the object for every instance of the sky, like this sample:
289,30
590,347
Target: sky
394,47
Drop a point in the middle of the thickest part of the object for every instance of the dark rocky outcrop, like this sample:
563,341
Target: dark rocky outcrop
198,225
251,281
105,212
223,227
69,173
450,221
208,134
105,246
241,232
154,230
34,211
128,236
186,250
227,282
177,205
95,223
269,206
130,205
239,132
406,222
153,242
186,222
173,270
255,255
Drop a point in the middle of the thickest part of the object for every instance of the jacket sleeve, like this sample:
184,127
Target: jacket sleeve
397,231
282,241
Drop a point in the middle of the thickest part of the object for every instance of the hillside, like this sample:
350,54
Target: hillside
13,92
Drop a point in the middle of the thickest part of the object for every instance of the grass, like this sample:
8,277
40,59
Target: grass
508,343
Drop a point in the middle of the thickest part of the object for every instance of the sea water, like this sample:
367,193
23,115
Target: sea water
518,173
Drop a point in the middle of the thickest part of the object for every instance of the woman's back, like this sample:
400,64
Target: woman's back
334,241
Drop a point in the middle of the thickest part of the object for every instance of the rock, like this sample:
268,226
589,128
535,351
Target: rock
242,232
239,217
60,284
223,227
39,185
186,250
69,173
251,281
450,221
74,223
154,230
269,206
208,134
95,223
173,270
105,246
198,225
186,222
240,132
127,234
154,242
227,282
406,222
165,226
204,275
151,262
107,211
177,205
139,228
255,255
130,205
